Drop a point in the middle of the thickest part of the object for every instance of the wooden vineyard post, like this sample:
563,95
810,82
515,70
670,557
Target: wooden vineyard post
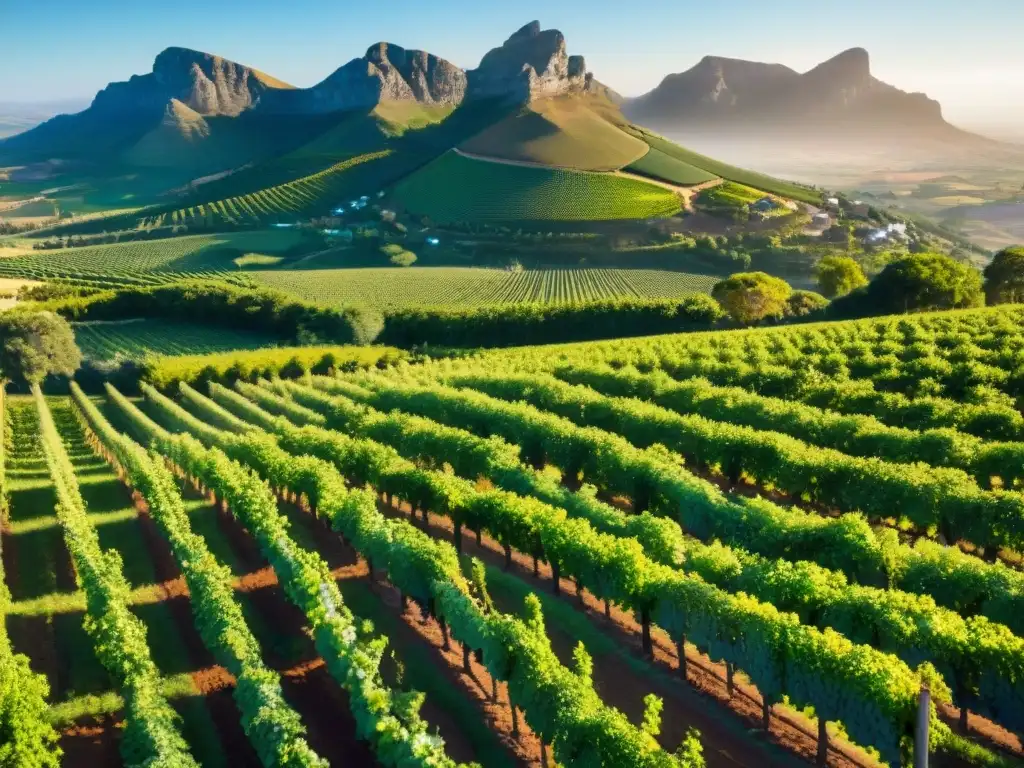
508,556
556,585
515,720
924,716
822,760
766,714
645,629
730,671
681,650
458,537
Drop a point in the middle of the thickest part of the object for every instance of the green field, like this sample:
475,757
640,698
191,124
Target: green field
137,338
563,133
659,165
310,194
730,172
143,261
457,189
729,195
432,286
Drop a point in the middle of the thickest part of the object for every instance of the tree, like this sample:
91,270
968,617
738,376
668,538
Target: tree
749,297
924,281
838,275
803,303
1004,277
36,344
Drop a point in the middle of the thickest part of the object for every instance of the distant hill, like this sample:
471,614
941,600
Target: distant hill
838,98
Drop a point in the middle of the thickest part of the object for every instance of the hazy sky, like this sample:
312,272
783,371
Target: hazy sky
966,54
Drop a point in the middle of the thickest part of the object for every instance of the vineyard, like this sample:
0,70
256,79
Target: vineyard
556,545
315,193
659,165
136,338
454,188
142,262
728,172
437,286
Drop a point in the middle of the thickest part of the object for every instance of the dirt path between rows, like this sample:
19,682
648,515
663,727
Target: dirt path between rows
415,629
730,727
213,681
308,687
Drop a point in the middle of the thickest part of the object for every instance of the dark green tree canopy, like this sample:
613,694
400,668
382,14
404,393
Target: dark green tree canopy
804,303
749,297
36,344
838,275
1004,277
924,281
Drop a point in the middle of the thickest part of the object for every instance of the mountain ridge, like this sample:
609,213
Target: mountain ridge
840,94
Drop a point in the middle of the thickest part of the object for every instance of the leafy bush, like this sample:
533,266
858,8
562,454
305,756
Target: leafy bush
531,323
838,275
749,297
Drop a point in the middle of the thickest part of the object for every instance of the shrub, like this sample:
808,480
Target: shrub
750,297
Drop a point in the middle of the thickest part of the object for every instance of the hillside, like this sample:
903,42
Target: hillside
455,188
563,132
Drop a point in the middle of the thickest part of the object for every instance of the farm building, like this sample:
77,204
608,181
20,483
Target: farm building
821,220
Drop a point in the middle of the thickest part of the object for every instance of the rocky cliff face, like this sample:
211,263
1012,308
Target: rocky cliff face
532,64
387,72
839,94
206,84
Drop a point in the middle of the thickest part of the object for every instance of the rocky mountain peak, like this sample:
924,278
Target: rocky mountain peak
533,63
387,72
851,67
838,96
526,32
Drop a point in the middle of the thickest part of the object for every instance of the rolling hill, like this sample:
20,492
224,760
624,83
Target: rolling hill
563,132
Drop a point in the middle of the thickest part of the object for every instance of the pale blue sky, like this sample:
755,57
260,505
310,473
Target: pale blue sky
967,54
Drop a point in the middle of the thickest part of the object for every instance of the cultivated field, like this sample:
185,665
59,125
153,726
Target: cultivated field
788,520
454,188
659,165
314,194
731,173
459,286
136,338
145,260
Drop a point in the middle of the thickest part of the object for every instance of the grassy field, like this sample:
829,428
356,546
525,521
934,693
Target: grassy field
457,189
424,286
563,133
137,338
729,196
659,165
141,260
730,172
